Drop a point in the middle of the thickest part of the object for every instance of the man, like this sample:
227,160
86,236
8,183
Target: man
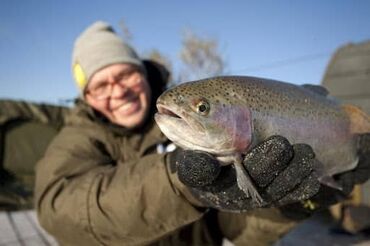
105,179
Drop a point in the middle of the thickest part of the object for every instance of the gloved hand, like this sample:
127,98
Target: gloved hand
347,180
282,173
328,196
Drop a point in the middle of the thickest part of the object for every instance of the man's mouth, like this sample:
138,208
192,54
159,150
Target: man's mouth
128,106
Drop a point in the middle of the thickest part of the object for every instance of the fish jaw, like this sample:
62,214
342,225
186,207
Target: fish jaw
180,128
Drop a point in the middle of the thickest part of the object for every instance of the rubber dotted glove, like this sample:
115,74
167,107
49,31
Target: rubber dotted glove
328,196
282,173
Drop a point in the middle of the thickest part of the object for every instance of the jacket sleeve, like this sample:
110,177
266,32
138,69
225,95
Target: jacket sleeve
262,226
83,198
21,110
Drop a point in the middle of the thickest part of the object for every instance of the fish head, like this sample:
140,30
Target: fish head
194,116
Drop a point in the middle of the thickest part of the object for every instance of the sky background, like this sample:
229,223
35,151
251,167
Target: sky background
284,40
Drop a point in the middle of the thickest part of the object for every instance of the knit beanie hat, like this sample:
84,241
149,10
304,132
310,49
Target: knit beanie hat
97,47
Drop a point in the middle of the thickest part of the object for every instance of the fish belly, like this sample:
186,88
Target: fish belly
334,146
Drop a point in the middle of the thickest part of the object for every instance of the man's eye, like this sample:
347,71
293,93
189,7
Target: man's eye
100,88
124,75
121,77
127,74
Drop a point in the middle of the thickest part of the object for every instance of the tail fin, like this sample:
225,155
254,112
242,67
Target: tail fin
359,120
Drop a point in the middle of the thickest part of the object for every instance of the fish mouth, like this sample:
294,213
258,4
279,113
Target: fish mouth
165,110
179,126
167,118
179,116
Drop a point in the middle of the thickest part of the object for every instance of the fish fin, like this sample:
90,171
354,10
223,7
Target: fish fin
245,183
317,89
330,181
359,120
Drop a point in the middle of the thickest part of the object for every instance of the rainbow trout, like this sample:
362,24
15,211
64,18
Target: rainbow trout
227,116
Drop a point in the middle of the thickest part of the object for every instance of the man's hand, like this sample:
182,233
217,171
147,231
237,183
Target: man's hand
328,196
282,173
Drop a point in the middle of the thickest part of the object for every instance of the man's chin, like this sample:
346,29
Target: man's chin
131,121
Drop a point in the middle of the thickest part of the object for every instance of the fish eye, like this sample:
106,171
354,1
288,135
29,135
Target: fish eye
203,107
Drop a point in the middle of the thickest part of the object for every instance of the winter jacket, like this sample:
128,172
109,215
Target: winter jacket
26,129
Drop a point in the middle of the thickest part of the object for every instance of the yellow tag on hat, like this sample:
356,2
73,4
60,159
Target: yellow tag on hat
79,75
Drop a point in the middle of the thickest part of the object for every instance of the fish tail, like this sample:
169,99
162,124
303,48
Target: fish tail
359,120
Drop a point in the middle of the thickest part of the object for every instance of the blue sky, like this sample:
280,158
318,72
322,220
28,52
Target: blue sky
285,40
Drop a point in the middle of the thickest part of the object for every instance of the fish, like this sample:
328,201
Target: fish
227,116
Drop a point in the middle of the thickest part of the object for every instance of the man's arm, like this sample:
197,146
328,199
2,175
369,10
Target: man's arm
22,110
82,195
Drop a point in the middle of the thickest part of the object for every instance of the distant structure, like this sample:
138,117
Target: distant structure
347,77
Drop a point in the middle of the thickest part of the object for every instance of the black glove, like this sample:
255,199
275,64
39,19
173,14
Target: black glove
328,196
282,173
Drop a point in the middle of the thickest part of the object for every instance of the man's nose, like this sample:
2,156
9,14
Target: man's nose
118,90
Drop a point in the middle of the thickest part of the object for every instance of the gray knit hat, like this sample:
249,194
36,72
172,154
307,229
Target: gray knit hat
97,47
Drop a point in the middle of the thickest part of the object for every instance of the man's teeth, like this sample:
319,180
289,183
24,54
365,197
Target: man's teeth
126,106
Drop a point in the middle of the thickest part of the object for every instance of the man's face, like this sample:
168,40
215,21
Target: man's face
121,93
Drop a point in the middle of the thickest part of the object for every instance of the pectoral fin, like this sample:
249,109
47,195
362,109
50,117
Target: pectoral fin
245,183
329,181
359,120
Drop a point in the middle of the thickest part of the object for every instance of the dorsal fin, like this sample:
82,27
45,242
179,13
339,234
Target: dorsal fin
360,121
317,89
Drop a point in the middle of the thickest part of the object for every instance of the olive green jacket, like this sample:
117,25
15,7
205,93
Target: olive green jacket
99,184
25,131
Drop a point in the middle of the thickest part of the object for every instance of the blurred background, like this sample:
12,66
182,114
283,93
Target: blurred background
285,40
317,42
